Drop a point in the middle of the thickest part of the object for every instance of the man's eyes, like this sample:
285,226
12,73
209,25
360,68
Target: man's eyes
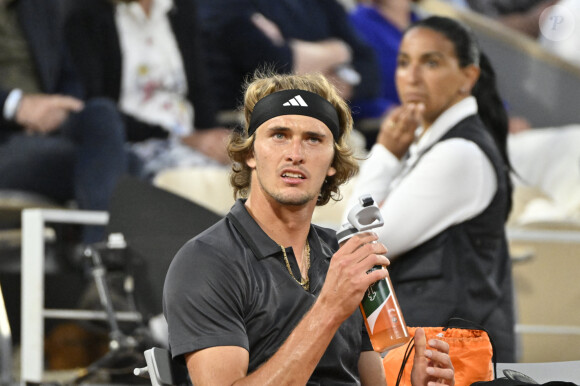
314,138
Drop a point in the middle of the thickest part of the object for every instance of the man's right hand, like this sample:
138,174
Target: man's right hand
42,113
347,278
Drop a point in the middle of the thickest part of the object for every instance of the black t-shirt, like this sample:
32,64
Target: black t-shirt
229,286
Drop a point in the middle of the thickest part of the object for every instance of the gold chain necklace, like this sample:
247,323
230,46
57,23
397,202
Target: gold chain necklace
304,282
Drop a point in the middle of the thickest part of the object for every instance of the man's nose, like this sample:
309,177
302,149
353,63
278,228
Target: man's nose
295,151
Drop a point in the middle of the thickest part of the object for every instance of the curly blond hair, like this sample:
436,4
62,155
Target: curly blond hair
241,147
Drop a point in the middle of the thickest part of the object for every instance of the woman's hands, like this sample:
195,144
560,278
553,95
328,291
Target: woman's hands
397,131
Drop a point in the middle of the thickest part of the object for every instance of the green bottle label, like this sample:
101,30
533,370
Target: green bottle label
375,296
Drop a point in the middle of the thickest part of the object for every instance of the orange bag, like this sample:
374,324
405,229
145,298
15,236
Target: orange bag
471,353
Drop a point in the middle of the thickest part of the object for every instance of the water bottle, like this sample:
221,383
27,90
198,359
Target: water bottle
381,311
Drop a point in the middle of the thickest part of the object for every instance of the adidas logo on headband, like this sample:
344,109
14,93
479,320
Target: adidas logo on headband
296,101
277,104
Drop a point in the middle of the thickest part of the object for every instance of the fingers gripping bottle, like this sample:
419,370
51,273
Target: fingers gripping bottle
380,308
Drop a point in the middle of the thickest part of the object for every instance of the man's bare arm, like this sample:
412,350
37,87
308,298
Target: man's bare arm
370,369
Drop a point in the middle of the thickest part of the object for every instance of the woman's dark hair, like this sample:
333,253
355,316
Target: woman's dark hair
490,105
491,109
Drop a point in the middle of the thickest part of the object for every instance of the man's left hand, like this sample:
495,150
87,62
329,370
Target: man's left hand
432,366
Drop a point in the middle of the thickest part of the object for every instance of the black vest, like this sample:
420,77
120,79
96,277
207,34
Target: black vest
464,271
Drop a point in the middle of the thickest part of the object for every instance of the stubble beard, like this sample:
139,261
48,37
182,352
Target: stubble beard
290,200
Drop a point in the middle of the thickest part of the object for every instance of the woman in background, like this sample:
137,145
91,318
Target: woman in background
147,55
440,171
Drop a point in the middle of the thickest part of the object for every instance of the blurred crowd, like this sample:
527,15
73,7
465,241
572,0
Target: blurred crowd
95,89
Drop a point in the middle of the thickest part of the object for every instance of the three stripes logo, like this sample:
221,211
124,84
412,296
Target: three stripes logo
296,101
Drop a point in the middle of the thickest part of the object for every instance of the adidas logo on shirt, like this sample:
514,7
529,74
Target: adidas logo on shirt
296,101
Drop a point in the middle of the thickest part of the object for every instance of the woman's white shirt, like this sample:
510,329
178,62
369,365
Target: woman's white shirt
422,195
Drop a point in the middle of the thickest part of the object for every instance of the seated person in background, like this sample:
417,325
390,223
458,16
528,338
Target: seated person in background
264,296
440,171
520,15
51,142
147,56
288,36
381,24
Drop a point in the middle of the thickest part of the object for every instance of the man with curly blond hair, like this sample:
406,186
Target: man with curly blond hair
264,296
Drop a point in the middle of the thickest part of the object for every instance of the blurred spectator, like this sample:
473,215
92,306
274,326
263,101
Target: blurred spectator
561,30
381,24
521,15
298,36
555,175
50,141
440,173
147,56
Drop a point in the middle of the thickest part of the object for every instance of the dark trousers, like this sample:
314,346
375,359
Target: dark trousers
81,162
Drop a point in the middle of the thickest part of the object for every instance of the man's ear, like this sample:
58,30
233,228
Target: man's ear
251,161
331,172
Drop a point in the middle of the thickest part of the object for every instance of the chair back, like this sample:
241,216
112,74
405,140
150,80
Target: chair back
162,369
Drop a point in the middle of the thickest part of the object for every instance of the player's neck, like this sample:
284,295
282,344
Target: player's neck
287,225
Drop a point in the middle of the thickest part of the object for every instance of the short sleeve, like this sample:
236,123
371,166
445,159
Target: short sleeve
203,300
